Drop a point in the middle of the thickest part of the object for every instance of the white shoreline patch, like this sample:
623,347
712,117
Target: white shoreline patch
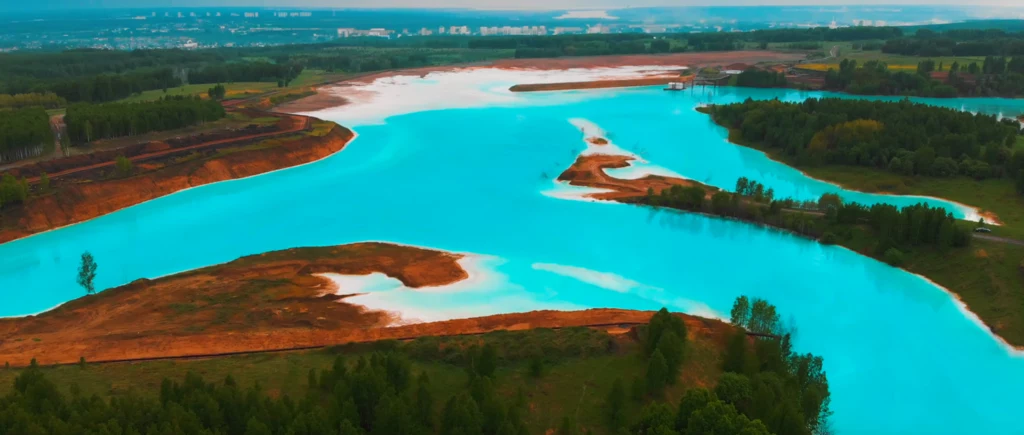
372,103
620,284
642,170
485,292
605,280
564,190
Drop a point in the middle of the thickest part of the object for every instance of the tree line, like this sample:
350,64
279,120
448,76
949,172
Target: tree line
902,137
991,42
245,72
24,133
46,100
893,231
995,76
89,122
771,390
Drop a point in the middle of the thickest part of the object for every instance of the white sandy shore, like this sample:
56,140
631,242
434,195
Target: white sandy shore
485,292
373,103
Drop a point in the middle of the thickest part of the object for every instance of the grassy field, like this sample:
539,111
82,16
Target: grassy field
580,369
988,276
997,196
894,61
234,90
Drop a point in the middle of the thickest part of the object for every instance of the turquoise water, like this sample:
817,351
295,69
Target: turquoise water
900,354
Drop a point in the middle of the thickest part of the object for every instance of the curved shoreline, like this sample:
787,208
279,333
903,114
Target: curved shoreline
990,217
275,301
225,168
588,171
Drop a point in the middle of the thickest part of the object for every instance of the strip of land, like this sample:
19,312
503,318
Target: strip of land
600,84
269,302
988,276
87,186
345,91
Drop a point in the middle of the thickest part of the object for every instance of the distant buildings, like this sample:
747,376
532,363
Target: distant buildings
510,30
349,32
568,30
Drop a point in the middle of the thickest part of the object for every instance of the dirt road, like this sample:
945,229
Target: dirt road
299,123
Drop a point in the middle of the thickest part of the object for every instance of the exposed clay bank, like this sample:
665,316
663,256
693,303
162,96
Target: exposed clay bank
472,181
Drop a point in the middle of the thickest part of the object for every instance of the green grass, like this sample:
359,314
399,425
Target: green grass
996,195
233,90
580,371
987,276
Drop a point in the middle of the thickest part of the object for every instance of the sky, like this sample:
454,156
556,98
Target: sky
473,4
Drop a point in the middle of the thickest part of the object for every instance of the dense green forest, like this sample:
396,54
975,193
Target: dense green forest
995,76
768,389
89,122
23,133
635,43
990,42
902,137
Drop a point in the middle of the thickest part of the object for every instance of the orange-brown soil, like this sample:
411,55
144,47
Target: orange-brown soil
599,84
597,140
266,302
588,171
81,195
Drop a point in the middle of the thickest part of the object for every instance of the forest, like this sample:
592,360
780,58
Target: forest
89,122
769,389
996,76
894,231
24,133
924,42
47,100
902,137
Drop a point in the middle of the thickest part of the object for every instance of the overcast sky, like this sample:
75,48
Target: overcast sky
476,4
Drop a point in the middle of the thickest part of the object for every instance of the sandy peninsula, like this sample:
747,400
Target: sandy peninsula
270,302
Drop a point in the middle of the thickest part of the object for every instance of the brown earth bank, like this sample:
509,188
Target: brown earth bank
80,193
267,302
599,84
588,171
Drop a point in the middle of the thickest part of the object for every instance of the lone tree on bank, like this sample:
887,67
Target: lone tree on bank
87,273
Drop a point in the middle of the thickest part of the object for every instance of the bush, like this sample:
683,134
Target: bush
123,165
894,257
829,238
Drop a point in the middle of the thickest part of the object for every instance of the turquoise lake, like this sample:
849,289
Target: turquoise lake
901,355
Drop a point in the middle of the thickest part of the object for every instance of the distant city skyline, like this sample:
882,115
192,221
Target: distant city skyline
477,4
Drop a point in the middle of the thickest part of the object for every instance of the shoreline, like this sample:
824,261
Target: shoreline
586,181
654,61
977,211
273,301
598,84
215,169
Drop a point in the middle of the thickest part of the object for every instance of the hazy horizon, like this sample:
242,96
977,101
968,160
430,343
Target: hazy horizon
539,5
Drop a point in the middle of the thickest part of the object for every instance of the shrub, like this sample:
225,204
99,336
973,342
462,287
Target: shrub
894,257
829,238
